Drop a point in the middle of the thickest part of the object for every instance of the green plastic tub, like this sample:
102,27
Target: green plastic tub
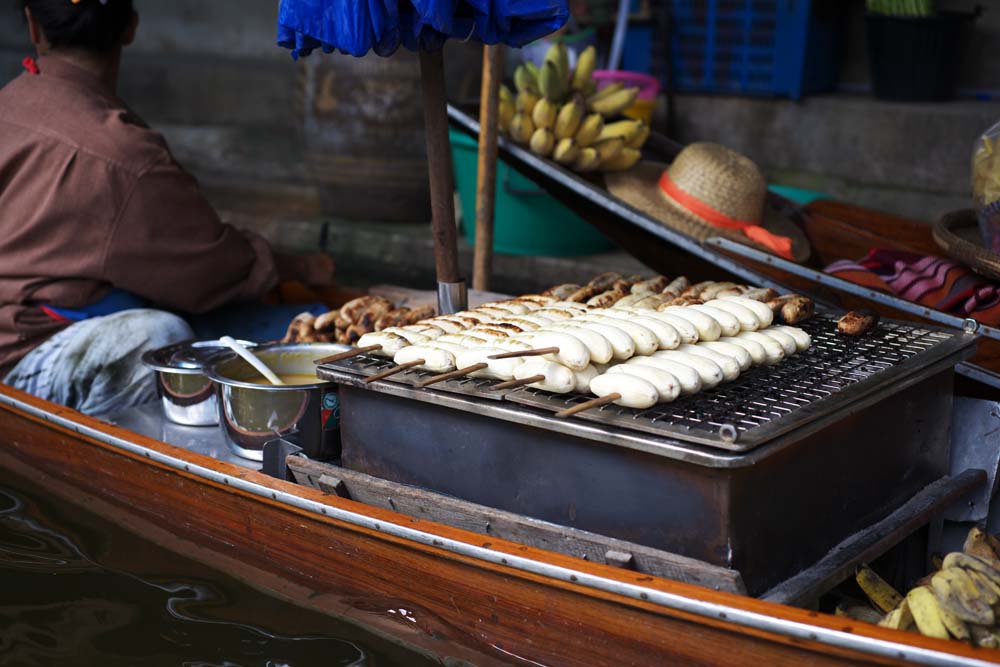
527,221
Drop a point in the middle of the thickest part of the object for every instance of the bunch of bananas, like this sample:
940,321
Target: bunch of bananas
560,114
961,600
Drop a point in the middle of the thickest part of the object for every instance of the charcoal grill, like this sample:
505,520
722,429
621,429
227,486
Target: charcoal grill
763,474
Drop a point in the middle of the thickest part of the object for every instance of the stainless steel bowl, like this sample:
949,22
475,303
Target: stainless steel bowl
187,396
252,414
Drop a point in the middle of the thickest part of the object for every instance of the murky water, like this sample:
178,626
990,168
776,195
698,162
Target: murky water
75,590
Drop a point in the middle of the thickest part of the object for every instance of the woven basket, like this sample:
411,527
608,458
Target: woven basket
957,233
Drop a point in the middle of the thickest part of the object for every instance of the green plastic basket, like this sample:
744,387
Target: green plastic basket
527,220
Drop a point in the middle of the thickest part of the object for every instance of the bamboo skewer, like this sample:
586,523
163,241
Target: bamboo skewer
526,353
392,371
586,405
514,384
348,354
451,375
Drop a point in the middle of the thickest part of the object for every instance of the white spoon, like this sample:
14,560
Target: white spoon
251,359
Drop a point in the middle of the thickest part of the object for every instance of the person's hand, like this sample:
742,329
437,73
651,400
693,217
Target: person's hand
315,269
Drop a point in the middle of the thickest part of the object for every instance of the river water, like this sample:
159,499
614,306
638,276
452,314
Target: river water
76,590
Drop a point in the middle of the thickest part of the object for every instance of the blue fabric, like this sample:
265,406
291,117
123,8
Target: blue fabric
114,301
359,26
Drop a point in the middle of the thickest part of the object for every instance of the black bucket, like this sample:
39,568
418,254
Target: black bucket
917,59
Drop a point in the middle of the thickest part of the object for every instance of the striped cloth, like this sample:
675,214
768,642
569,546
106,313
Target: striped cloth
931,281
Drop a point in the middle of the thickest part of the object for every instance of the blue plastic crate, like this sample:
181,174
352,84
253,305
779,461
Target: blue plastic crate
767,47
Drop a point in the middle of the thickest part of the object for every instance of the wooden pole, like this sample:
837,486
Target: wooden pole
489,95
441,181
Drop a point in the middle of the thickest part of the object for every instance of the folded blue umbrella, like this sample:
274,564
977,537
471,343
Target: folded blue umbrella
359,26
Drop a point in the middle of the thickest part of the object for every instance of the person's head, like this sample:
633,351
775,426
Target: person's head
94,27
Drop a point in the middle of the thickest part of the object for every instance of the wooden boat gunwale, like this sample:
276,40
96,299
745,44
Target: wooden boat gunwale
722,610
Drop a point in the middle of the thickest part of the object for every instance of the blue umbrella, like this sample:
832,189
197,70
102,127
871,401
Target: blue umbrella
356,27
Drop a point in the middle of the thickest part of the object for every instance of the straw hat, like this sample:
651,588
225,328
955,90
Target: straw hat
710,190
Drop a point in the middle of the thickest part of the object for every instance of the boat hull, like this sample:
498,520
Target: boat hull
465,598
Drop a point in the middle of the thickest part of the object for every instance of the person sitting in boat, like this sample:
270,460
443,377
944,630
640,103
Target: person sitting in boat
99,223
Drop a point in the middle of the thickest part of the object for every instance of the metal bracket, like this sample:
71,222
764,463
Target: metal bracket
275,453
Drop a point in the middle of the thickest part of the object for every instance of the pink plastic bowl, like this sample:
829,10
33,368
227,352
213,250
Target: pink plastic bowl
648,85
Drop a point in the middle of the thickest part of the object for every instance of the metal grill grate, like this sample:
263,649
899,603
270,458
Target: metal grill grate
762,403
729,413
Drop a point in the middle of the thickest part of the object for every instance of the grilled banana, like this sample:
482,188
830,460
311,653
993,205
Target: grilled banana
959,595
968,562
977,544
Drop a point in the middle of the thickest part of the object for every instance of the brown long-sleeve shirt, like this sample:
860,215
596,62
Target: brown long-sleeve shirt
91,198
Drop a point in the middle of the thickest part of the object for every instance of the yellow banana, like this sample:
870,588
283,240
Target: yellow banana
957,559
551,84
588,160
606,91
585,65
589,130
956,626
900,618
926,612
881,594
978,545
506,94
544,114
521,128
986,586
542,142
623,160
959,595
612,105
526,101
609,148
566,151
625,129
639,138
569,119
505,113
524,79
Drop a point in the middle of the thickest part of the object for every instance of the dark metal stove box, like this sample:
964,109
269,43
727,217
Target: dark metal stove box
767,512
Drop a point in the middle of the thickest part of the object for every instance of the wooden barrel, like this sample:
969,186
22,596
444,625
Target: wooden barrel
364,136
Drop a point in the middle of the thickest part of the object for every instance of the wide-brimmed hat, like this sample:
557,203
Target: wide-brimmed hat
710,190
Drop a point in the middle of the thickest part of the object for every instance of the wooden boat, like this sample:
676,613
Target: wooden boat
443,591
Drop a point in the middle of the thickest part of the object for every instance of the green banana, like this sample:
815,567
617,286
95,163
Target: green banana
569,119
550,83
532,69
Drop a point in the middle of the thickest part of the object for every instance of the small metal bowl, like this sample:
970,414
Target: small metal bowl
187,396
251,414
